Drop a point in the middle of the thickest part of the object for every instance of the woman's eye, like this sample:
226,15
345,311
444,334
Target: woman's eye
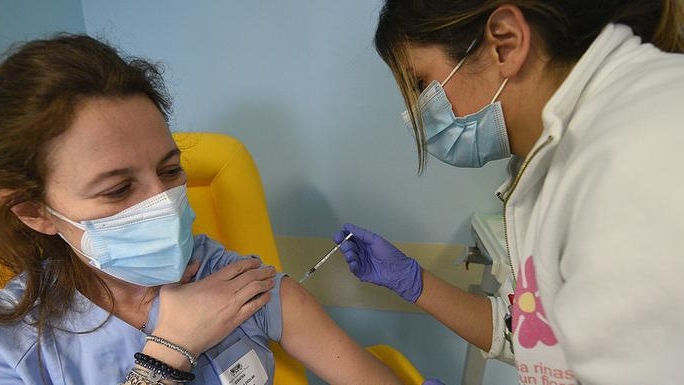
172,172
119,192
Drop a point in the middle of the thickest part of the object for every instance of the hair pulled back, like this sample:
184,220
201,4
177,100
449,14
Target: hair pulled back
566,29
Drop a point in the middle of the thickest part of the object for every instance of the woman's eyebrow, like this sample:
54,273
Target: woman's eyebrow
108,174
127,170
170,154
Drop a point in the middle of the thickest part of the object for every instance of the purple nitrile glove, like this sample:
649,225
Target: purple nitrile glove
373,259
433,381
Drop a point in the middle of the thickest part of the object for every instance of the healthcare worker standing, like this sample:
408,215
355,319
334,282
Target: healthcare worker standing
587,98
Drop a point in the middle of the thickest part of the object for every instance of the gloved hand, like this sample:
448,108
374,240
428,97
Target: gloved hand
433,381
373,259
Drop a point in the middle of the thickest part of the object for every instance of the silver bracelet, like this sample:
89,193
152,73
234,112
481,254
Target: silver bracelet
138,377
171,345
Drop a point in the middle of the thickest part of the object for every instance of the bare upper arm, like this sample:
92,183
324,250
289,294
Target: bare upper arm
313,338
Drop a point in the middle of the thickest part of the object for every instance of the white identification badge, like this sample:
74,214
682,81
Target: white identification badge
248,370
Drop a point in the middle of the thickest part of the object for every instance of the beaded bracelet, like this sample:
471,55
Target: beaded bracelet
171,345
165,371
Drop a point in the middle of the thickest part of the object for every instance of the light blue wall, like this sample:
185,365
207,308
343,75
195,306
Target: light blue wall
300,83
24,20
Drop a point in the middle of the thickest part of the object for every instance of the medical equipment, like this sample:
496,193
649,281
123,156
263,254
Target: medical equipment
325,258
490,250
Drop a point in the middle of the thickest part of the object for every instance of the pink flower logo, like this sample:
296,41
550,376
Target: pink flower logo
529,321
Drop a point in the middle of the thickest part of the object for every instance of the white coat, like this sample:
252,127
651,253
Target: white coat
593,221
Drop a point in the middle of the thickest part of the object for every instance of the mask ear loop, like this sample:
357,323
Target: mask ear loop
498,92
93,261
64,218
49,209
459,64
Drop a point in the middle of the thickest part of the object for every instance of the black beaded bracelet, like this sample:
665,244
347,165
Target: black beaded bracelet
166,371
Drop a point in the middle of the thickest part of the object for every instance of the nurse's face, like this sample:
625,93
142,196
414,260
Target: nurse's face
472,86
116,153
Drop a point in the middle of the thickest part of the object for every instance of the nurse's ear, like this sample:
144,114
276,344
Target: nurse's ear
507,35
32,214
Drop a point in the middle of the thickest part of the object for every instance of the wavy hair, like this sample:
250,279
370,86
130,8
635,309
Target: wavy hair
42,83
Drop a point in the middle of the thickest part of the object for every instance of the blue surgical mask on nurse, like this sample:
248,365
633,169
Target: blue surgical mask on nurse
469,141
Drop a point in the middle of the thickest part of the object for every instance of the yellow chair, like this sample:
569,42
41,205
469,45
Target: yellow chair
402,367
5,274
225,191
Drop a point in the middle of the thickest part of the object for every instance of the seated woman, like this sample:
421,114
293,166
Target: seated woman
113,286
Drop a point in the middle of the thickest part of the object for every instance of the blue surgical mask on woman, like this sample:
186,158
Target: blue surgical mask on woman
467,141
147,244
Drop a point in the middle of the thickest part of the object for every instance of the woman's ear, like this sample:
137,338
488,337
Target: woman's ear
508,34
32,214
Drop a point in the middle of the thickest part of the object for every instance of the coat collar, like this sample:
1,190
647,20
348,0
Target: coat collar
559,110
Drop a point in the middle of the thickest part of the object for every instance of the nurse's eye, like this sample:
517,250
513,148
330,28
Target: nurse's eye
419,86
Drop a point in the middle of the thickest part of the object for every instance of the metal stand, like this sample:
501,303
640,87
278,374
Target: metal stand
473,372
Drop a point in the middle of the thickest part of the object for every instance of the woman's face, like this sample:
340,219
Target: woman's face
468,90
116,153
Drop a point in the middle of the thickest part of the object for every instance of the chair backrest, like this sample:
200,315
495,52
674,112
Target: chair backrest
225,191
5,275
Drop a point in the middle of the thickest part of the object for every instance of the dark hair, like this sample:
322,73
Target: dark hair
42,83
566,29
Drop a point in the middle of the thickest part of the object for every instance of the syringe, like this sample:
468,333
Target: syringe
322,260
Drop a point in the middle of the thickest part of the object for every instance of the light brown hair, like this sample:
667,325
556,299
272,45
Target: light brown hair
42,83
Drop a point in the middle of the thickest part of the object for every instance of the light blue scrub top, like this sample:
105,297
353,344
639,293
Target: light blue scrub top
105,355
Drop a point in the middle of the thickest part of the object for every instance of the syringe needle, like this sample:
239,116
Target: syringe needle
304,278
325,258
